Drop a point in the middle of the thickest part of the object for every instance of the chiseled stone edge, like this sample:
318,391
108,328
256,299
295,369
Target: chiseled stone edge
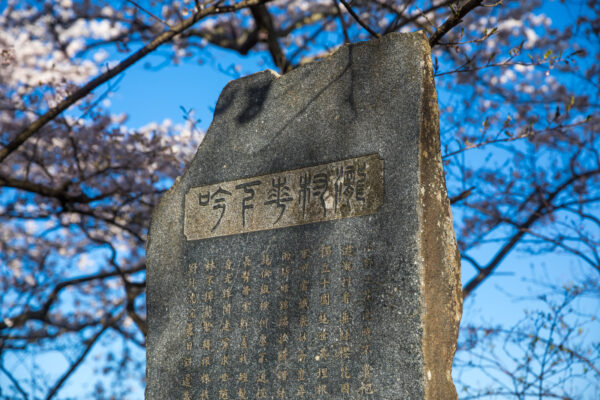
441,282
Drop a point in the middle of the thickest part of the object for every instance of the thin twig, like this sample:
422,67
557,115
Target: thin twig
149,13
461,196
81,357
357,18
14,382
342,22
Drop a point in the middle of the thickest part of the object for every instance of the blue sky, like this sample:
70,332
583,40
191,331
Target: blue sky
148,95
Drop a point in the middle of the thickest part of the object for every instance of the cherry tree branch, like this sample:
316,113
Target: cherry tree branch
264,22
13,381
397,23
90,343
357,18
83,91
522,229
42,313
462,195
342,22
453,20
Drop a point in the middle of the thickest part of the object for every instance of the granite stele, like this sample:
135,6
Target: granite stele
307,252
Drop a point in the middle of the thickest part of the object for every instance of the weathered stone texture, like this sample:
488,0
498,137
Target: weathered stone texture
363,302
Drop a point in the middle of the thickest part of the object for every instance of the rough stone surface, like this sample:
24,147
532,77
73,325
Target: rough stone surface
358,304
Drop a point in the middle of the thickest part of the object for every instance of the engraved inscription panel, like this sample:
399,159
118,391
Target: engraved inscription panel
281,324
341,189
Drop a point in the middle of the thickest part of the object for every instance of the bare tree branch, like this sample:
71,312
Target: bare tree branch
264,22
41,314
522,230
357,18
162,21
462,195
342,22
13,380
90,343
453,20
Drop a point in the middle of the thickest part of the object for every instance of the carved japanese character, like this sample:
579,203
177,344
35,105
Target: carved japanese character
322,390
223,394
345,388
279,195
344,352
338,186
320,188
366,370
361,182
323,355
187,381
262,376
304,193
344,335
205,379
283,305
282,375
323,319
219,202
210,265
192,268
323,335
261,393
301,374
348,250
301,391
283,321
302,355
283,338
345,318
281,393
247,188
345,372
303,321
322,373
366,388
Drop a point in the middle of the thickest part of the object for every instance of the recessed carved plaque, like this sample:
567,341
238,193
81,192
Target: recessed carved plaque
325,192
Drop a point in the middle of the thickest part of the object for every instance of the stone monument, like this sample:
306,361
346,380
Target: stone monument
307,252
